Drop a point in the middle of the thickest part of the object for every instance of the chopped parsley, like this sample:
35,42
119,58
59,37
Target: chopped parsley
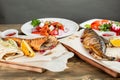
105,27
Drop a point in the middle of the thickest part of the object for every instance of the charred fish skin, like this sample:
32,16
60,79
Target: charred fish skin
91,39
37,43
93,42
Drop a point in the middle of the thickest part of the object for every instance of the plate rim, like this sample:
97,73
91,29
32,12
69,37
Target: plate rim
90,20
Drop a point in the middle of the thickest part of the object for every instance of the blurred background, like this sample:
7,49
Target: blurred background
21,11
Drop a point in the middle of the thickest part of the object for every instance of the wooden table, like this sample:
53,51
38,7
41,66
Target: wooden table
78,69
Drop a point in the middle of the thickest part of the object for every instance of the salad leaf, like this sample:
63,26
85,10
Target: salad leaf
87,26
105,27
35,22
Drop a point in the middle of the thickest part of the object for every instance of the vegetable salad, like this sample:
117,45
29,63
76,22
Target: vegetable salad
47,28
105,25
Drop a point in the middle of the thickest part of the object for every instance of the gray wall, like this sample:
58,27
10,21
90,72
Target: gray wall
20,11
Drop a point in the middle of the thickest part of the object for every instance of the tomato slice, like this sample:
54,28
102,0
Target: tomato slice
95,25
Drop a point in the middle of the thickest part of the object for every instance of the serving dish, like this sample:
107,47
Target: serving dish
69,25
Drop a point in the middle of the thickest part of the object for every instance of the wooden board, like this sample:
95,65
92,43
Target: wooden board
105,69
21,66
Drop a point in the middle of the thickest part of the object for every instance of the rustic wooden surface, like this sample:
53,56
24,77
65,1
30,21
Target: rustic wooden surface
78,69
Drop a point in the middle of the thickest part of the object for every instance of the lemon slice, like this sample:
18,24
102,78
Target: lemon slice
115,42
27,50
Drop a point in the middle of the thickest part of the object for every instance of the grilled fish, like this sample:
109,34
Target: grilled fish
95,44
37,43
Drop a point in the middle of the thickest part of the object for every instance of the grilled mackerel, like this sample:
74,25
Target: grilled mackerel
95,44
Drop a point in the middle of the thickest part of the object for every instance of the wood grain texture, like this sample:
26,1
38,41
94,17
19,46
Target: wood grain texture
21,66
10,26
78,69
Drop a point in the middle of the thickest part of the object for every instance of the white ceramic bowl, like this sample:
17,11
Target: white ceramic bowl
9,31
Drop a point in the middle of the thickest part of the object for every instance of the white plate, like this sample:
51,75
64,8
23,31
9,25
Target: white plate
71,25
98,32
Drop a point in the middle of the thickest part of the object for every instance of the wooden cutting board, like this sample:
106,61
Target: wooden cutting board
105,69
21,66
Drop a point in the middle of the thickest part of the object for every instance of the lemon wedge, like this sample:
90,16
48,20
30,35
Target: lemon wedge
115,42
27,50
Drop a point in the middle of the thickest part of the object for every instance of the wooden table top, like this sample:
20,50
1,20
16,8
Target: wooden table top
78,69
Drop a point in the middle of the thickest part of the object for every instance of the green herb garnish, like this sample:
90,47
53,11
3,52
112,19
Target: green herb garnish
105,27
87,26
35,22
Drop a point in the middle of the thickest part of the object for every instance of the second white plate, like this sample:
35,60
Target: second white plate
69,24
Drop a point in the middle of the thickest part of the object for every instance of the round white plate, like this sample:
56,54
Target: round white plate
71,25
